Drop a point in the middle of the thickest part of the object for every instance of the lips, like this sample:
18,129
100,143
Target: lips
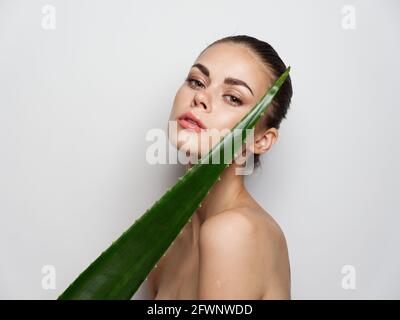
189,121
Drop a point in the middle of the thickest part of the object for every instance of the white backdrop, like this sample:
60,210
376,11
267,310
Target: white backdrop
76,102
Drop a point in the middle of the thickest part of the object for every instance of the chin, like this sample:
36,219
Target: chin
189,149
189,142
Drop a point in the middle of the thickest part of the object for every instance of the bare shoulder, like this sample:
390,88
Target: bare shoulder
255,224
254,245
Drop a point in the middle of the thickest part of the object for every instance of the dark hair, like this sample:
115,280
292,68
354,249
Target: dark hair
277,110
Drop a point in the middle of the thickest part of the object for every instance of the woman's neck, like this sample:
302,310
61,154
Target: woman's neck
224,194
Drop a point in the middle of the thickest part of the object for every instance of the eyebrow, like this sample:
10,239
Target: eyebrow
228,80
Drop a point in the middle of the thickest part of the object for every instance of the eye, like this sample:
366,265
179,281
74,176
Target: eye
234,100
197,83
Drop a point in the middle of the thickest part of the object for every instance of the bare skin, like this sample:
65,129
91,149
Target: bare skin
231,248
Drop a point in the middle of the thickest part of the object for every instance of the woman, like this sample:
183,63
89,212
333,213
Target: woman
231,248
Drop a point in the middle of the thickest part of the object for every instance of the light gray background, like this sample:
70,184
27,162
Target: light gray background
76,103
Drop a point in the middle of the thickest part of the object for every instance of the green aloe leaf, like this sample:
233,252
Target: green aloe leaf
120,270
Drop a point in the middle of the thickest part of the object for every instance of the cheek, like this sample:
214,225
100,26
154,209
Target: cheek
181,104
229,118
181,101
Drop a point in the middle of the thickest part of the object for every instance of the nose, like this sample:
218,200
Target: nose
200,100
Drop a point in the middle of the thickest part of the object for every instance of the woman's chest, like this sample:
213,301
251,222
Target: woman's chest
178,277
176,274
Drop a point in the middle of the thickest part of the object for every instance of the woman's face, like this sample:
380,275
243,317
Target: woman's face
222,86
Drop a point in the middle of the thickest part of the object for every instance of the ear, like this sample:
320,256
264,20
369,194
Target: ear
264,141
